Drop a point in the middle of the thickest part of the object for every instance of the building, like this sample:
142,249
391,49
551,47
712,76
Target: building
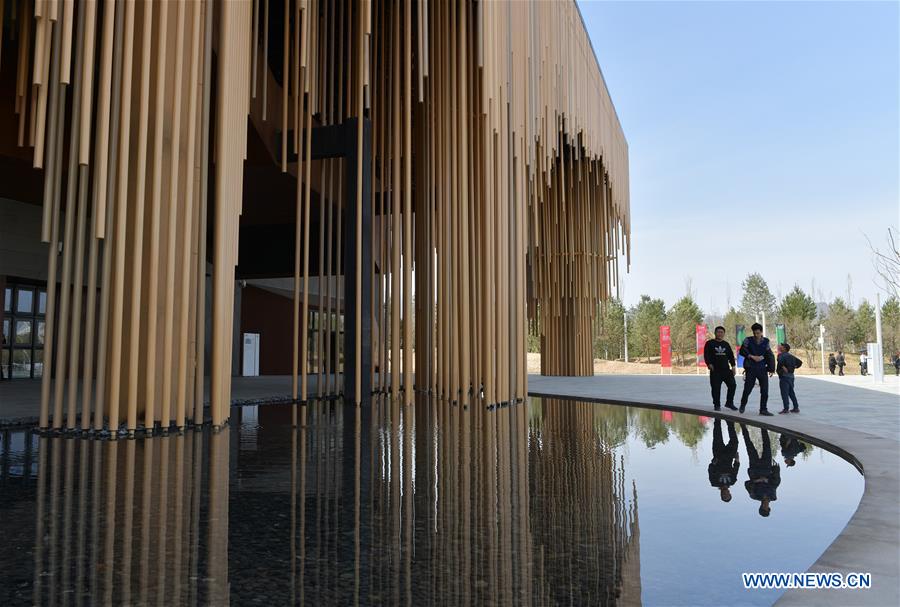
388,191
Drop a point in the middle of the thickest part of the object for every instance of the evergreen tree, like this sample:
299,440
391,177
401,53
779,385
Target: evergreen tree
732,319
757,297
862,329
611,424
610,342
533,335
798,312
647,316
683,319
838,323
890,325
689,429
651,428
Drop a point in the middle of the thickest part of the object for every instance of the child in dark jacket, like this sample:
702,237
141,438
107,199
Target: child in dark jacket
787,362
791,447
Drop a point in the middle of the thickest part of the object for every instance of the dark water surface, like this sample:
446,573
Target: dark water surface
549,502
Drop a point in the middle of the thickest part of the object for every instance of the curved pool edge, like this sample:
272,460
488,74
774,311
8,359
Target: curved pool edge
869,541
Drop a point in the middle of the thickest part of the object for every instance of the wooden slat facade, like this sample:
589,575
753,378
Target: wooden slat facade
499,192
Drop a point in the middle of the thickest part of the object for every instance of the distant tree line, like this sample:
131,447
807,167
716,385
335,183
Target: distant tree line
846,328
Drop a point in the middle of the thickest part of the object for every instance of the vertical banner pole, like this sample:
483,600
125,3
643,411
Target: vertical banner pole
878,369
701,343
822,346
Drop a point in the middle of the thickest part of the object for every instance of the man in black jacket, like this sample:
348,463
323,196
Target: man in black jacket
725,465
763,472
719,359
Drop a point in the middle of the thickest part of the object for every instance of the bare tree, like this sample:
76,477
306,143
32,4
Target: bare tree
887,263
689,286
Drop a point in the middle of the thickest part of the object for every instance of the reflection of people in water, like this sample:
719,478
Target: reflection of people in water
791,447
764,472
725,464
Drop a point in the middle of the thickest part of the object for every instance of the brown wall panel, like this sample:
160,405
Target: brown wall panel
269,314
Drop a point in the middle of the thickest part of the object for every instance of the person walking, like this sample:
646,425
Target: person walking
863,364
719,359
841,361
787,362
896,362
832,363
725,465
764,473
759,364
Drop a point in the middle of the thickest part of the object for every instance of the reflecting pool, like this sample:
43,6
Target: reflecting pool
547,502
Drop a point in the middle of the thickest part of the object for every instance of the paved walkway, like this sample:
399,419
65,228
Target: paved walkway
20,400
863,425
890,385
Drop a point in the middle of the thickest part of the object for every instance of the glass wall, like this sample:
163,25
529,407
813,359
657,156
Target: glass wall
22,345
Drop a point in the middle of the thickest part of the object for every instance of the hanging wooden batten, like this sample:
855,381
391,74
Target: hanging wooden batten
485,191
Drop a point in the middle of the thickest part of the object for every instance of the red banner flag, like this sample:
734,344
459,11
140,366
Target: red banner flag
665,347
701,344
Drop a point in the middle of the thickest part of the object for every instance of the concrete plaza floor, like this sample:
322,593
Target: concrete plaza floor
891,383
845,414
20,400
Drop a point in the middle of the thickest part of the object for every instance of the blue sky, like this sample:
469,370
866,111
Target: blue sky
763,137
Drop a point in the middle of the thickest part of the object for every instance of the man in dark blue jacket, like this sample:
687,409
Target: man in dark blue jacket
759,364
763,472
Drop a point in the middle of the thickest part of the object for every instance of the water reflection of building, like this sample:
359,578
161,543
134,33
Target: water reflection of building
425,504
587,531
134,521
18,473
445,504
